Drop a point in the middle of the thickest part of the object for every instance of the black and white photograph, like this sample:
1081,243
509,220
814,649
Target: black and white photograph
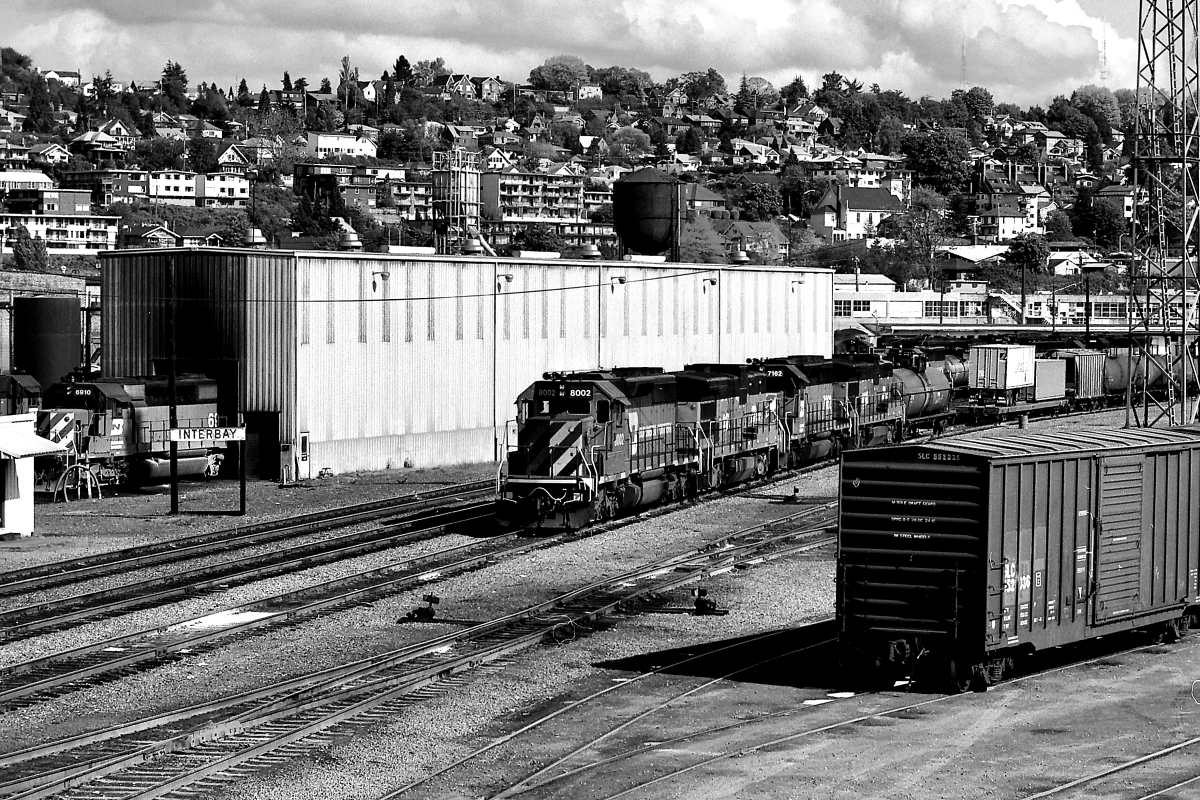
522,400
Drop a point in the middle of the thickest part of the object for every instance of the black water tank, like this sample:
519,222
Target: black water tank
644,211
46,337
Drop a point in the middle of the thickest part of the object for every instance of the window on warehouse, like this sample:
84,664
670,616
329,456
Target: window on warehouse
841,308
862,306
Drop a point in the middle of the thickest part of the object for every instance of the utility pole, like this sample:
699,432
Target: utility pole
1166,158
171,388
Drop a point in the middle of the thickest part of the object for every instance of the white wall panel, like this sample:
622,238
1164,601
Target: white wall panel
450,342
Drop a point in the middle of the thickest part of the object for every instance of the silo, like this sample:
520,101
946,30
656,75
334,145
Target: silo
644,211
46,337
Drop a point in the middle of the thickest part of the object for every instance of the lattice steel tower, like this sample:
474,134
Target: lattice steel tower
1162,279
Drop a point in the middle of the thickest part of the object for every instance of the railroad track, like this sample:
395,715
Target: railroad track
200,748
560,775
68,612
75,570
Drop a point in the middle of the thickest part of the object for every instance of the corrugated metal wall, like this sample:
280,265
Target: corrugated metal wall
231,305
418,360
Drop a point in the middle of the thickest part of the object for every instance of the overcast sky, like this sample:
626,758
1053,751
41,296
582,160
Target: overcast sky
1025,51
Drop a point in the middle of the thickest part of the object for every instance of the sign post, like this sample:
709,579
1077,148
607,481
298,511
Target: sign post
235,433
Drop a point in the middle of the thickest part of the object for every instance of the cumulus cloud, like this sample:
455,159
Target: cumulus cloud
1025,51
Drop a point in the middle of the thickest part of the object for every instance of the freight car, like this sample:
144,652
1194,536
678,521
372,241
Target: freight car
958,556
117,430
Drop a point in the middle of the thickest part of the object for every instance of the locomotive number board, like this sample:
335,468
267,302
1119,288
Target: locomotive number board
559,391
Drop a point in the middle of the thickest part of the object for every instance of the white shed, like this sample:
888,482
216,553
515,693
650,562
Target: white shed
19,445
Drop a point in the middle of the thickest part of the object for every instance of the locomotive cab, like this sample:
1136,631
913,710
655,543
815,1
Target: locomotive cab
568,426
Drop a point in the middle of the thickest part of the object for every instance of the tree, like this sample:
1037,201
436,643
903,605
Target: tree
559,73
173,72
29,253
760,202
202,155
921,229
325,87
702,85
287,81
424,72
264,100
41,115
699,243
402,72
160,153
794,92
690,142
745,98
889,135
764,94
632,139
1028,251
243,95
1108,223
1098,102
939,158
542,238
1058,226
621,81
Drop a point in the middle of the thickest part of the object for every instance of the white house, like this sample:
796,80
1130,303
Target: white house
328,145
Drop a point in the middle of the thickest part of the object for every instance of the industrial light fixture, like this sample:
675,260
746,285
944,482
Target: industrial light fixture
383,276
707,282
254,238
614,281
349,241
797,283
503,278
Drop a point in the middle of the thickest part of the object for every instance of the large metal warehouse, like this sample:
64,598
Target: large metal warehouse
353,361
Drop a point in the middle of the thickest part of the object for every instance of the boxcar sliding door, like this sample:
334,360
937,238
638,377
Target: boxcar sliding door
1118,549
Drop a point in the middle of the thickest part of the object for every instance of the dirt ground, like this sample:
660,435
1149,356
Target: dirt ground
127,518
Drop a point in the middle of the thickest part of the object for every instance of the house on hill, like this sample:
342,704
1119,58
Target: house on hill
852,213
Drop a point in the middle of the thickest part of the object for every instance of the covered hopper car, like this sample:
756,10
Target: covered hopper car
957,556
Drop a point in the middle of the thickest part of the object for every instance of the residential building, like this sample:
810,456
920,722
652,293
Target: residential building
760,238
24,179
328,145
489,90
124,135
110,185
98,147
448,86
176,188
588,91
1123,197
13,155
851,213
159,235
51,153
223,189
514,196
62,218
1002,223
67,77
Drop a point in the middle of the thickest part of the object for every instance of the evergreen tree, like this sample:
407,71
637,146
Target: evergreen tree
243,95
41,116
264,100
287,81
745,98
29,253
402,72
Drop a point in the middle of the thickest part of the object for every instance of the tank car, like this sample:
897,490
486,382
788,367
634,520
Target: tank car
118,428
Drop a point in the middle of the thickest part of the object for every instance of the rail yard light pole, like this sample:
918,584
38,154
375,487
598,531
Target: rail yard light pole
715,282
501,279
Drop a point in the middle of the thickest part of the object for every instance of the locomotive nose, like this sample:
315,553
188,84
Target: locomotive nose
555,447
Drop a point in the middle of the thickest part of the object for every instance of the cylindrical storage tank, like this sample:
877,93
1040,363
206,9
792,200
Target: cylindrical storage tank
925,394
46,337
957,371
644,211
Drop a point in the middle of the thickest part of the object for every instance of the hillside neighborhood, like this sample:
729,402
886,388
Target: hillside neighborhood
836,173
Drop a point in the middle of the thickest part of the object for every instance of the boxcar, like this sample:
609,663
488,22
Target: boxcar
956,556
